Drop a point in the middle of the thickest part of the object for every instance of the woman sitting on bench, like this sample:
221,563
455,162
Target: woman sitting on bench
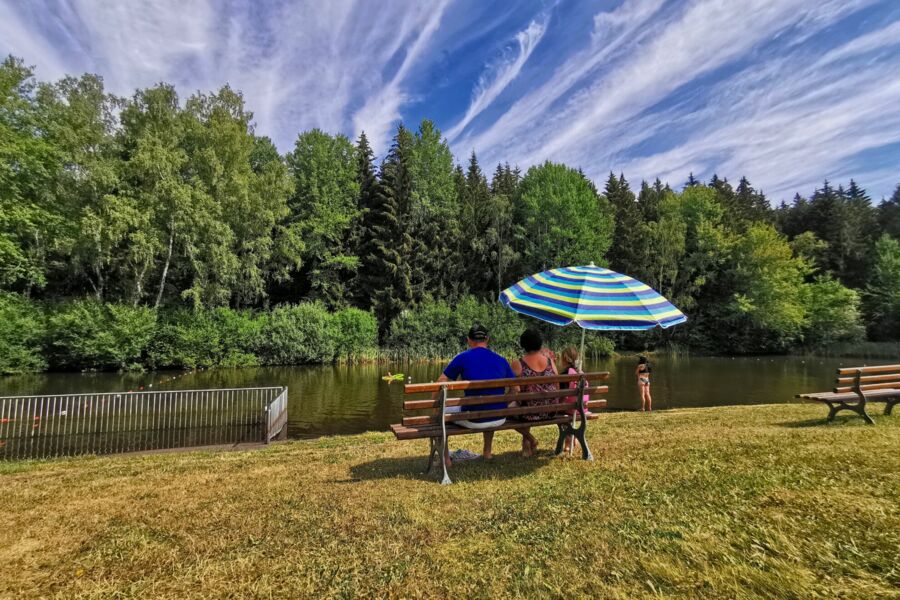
534,363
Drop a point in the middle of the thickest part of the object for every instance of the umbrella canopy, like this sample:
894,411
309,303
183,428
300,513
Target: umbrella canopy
594,297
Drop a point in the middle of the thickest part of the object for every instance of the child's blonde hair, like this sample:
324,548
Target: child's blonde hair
569,357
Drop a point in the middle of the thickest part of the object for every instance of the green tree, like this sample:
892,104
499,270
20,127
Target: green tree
29,164
187,236
385,273
889,214
627,251
882,296
324,205
832,313
104,221
767,310
502,231
564,221
477,218
434,217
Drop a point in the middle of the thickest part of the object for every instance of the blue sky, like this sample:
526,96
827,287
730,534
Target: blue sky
786,92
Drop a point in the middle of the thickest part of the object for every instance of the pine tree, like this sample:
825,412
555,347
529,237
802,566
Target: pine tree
692,181
385,271
434,223
502,232
827,218
476,217
889,214
749,204
360,236
626,252
862,228
650,198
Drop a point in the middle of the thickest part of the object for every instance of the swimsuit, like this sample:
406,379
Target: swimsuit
645,379
538,387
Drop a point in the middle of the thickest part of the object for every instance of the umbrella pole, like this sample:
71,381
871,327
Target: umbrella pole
581,353
580,367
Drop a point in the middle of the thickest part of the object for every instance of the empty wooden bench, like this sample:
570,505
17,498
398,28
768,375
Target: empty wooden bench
857,386
428,418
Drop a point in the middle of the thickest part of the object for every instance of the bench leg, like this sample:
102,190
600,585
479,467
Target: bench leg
561,441
860,409
890,405
567,430
433,450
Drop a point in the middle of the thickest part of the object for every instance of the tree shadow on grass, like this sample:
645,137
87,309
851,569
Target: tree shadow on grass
508,465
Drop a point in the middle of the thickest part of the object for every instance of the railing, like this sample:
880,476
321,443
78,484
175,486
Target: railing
71,424
276,415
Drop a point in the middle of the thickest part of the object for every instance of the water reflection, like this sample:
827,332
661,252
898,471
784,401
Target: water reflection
342,399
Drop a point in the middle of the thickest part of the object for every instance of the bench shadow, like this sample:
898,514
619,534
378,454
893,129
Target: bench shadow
508,465
823,422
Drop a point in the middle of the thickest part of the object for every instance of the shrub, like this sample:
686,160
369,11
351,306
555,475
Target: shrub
205,338
22,330
292,335
356,334
88,334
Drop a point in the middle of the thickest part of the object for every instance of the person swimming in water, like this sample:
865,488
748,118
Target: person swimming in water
643,379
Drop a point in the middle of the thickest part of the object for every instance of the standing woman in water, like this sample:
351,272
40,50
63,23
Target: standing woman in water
643,379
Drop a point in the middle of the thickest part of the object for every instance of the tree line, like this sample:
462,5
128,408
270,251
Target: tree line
170,205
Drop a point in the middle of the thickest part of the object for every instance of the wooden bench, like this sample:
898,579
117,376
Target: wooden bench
437,424
856,386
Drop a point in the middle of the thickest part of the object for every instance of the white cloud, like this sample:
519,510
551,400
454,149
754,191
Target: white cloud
382,110
500,74
613,31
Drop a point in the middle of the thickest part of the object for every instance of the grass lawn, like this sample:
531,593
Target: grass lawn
732,502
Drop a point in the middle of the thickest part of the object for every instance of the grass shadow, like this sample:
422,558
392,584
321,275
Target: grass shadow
508,465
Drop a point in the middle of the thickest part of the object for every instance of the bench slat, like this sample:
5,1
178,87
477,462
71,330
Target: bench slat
500,412
868,388
418,388
870,379
427,431
875,396
472,400
869,370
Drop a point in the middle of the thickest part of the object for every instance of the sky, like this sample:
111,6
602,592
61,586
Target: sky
786,92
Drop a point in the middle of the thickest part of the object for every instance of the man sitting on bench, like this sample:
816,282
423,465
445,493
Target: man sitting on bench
475,364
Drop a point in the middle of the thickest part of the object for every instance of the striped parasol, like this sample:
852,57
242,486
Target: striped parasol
594,297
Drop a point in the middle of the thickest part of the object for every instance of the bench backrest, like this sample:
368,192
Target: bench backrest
432,406
867,379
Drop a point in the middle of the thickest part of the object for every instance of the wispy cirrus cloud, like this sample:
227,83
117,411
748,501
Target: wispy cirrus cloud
500,73
787,92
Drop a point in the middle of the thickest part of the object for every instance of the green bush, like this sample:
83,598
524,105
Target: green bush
205,338
22,330
89,335
293,335
356,334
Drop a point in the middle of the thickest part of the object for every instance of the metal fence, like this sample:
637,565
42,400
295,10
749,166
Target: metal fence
70,424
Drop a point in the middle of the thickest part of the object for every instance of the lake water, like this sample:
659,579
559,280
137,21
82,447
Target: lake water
327,400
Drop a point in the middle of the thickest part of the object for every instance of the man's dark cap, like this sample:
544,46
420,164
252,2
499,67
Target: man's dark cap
478,333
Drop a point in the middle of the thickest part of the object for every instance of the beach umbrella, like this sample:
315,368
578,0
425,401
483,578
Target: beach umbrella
594,298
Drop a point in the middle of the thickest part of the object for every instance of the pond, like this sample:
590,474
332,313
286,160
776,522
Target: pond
327,400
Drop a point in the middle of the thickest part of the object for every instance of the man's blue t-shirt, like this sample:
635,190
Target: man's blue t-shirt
477,364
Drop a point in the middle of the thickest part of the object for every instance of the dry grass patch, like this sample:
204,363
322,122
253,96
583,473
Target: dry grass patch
726,502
